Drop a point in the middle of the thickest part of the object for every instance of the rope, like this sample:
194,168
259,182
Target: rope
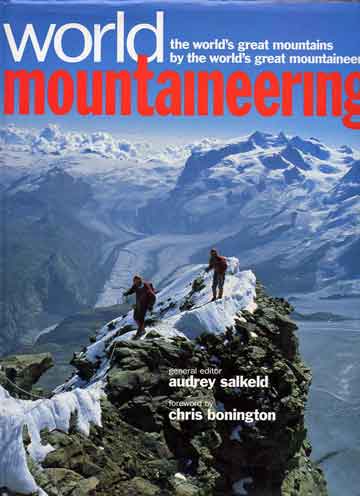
26,392
43,399
202,305
35,396
21,418
109,361
112,353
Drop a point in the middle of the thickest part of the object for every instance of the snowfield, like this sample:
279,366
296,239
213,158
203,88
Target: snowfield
170,318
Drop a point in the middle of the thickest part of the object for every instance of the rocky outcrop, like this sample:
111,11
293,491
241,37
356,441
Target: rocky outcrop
19,373
142,451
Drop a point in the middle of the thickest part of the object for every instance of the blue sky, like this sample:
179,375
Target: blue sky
336,22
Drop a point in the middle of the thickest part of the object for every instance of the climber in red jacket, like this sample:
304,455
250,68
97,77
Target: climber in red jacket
218,264
145,300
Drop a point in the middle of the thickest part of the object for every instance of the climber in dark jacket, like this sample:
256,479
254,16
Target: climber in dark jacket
218,264
145,300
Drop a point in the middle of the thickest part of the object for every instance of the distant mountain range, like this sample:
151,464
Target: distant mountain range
292,205
288,207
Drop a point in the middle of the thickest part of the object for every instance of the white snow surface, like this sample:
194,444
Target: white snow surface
84,398
49,414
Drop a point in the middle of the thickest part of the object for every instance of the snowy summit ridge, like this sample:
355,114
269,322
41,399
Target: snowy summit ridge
183,309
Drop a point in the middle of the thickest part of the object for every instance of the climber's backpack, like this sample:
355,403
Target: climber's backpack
221,264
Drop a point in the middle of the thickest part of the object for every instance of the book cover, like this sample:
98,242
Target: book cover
179,248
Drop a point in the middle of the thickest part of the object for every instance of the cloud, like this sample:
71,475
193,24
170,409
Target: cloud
52,140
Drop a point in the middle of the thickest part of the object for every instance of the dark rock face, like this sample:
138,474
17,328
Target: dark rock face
294,156
140,450
348,186
24,371
274,161
44,273
200,161
293,176
311,146
84,367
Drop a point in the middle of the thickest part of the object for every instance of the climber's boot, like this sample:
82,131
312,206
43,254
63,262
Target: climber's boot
140,332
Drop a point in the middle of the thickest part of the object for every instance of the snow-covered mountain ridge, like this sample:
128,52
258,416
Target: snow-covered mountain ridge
84,398
186,310
90,433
